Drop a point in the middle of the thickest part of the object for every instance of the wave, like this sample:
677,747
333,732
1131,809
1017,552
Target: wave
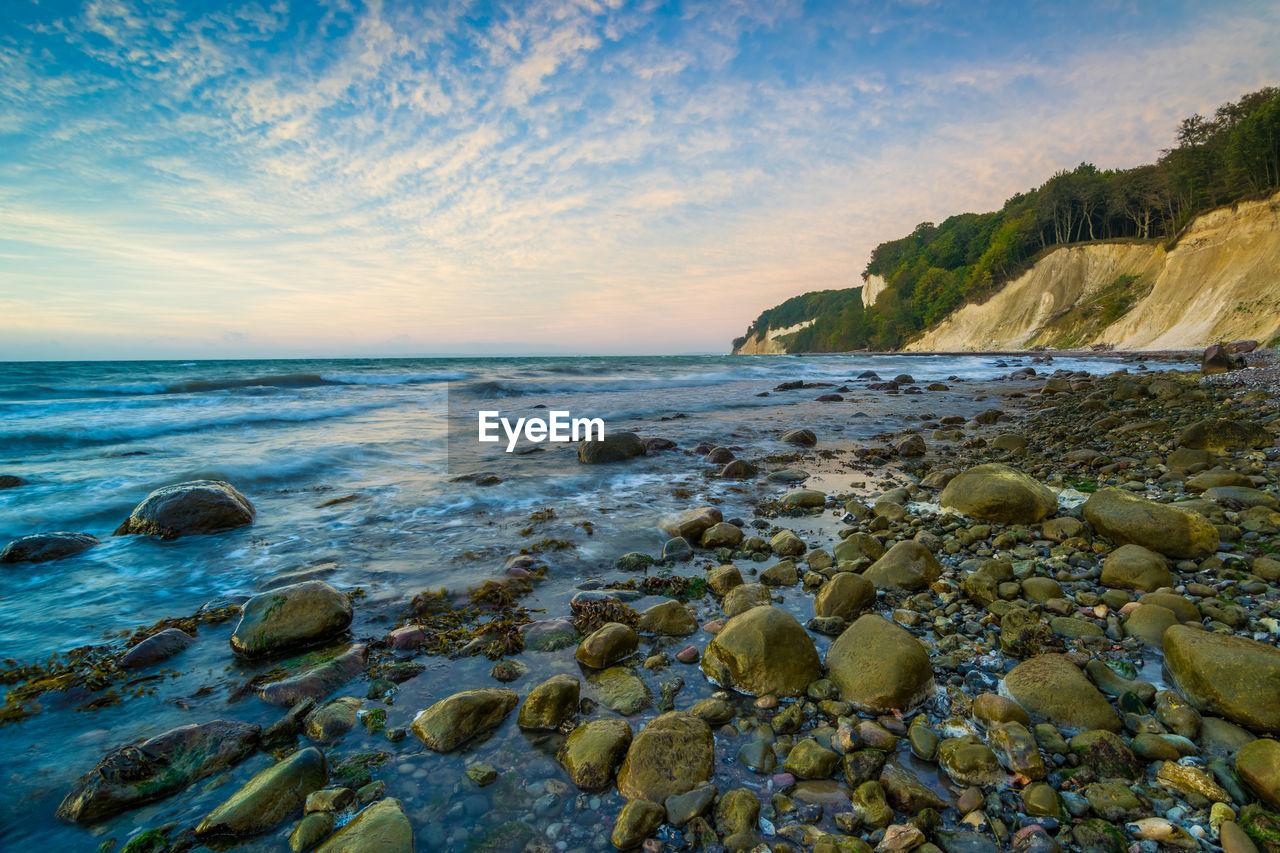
610,384
81,436
393,378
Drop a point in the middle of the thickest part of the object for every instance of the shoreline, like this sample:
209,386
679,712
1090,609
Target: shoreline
967,649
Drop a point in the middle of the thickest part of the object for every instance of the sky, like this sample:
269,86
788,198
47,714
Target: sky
279,179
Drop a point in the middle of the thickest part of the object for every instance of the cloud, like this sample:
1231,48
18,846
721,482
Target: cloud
588,175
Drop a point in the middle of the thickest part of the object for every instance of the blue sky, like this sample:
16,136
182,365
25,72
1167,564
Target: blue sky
282,178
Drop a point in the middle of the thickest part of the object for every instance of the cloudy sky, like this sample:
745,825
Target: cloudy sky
582,176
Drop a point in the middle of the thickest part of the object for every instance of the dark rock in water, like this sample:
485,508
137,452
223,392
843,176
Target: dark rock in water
614,447
801,437
318,681
762,651
738,469
381,828
828,398
197,507
1217,359
719,456
868,374
9,481
882,386
453,721
290,617
43,547
655,444
792,385
269,798
593,751
156,648
154,769
672,755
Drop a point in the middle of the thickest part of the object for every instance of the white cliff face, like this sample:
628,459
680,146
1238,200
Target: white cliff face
769,343
872,287
1221,281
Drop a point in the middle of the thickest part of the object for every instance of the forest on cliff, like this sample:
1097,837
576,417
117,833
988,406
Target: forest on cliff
1230,156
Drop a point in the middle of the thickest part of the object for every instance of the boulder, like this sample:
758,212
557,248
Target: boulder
637,820
1226,675
290,617
907,565
844,596
43,547
134,775
785,543
593,751
742,598
1148,622
763,651
1258,764
607,645
197,507
995,492
318,681
1219,434
159,646
1052,687
803,499
672,755
722,579
1135,567
857,546
669,618
269,798
1217,359
380,828
453,721
1127,519
879,667
738,469
551,703
722,535
801,437
614,447
691,523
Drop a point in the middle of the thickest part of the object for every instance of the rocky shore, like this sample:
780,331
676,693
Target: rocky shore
1049,626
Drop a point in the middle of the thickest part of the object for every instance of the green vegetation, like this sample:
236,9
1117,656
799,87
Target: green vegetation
936,269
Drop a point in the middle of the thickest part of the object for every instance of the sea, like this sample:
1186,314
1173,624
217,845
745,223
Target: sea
358,479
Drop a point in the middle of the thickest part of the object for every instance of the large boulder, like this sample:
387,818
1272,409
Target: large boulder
608,644
1052,687
743,597
672,755
290,617
857,546
691,523
1219,434
1135,567
669,618
907,565
159,646
1258,764
200,506
1128,519
844,596
269,798
1227,676
1217,359
614,447
879,667
551,703
763,651
995,492
453,721
133,775
593,751
380,828
337,667
43,547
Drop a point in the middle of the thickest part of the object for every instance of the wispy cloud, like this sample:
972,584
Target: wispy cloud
583,176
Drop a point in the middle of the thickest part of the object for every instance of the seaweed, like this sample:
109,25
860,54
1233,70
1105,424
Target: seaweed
590,614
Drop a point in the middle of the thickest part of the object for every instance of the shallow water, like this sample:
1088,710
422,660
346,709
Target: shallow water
93,439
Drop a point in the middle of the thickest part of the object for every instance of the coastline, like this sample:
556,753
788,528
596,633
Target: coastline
530,787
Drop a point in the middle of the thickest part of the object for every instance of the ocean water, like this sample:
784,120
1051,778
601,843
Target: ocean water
356,479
